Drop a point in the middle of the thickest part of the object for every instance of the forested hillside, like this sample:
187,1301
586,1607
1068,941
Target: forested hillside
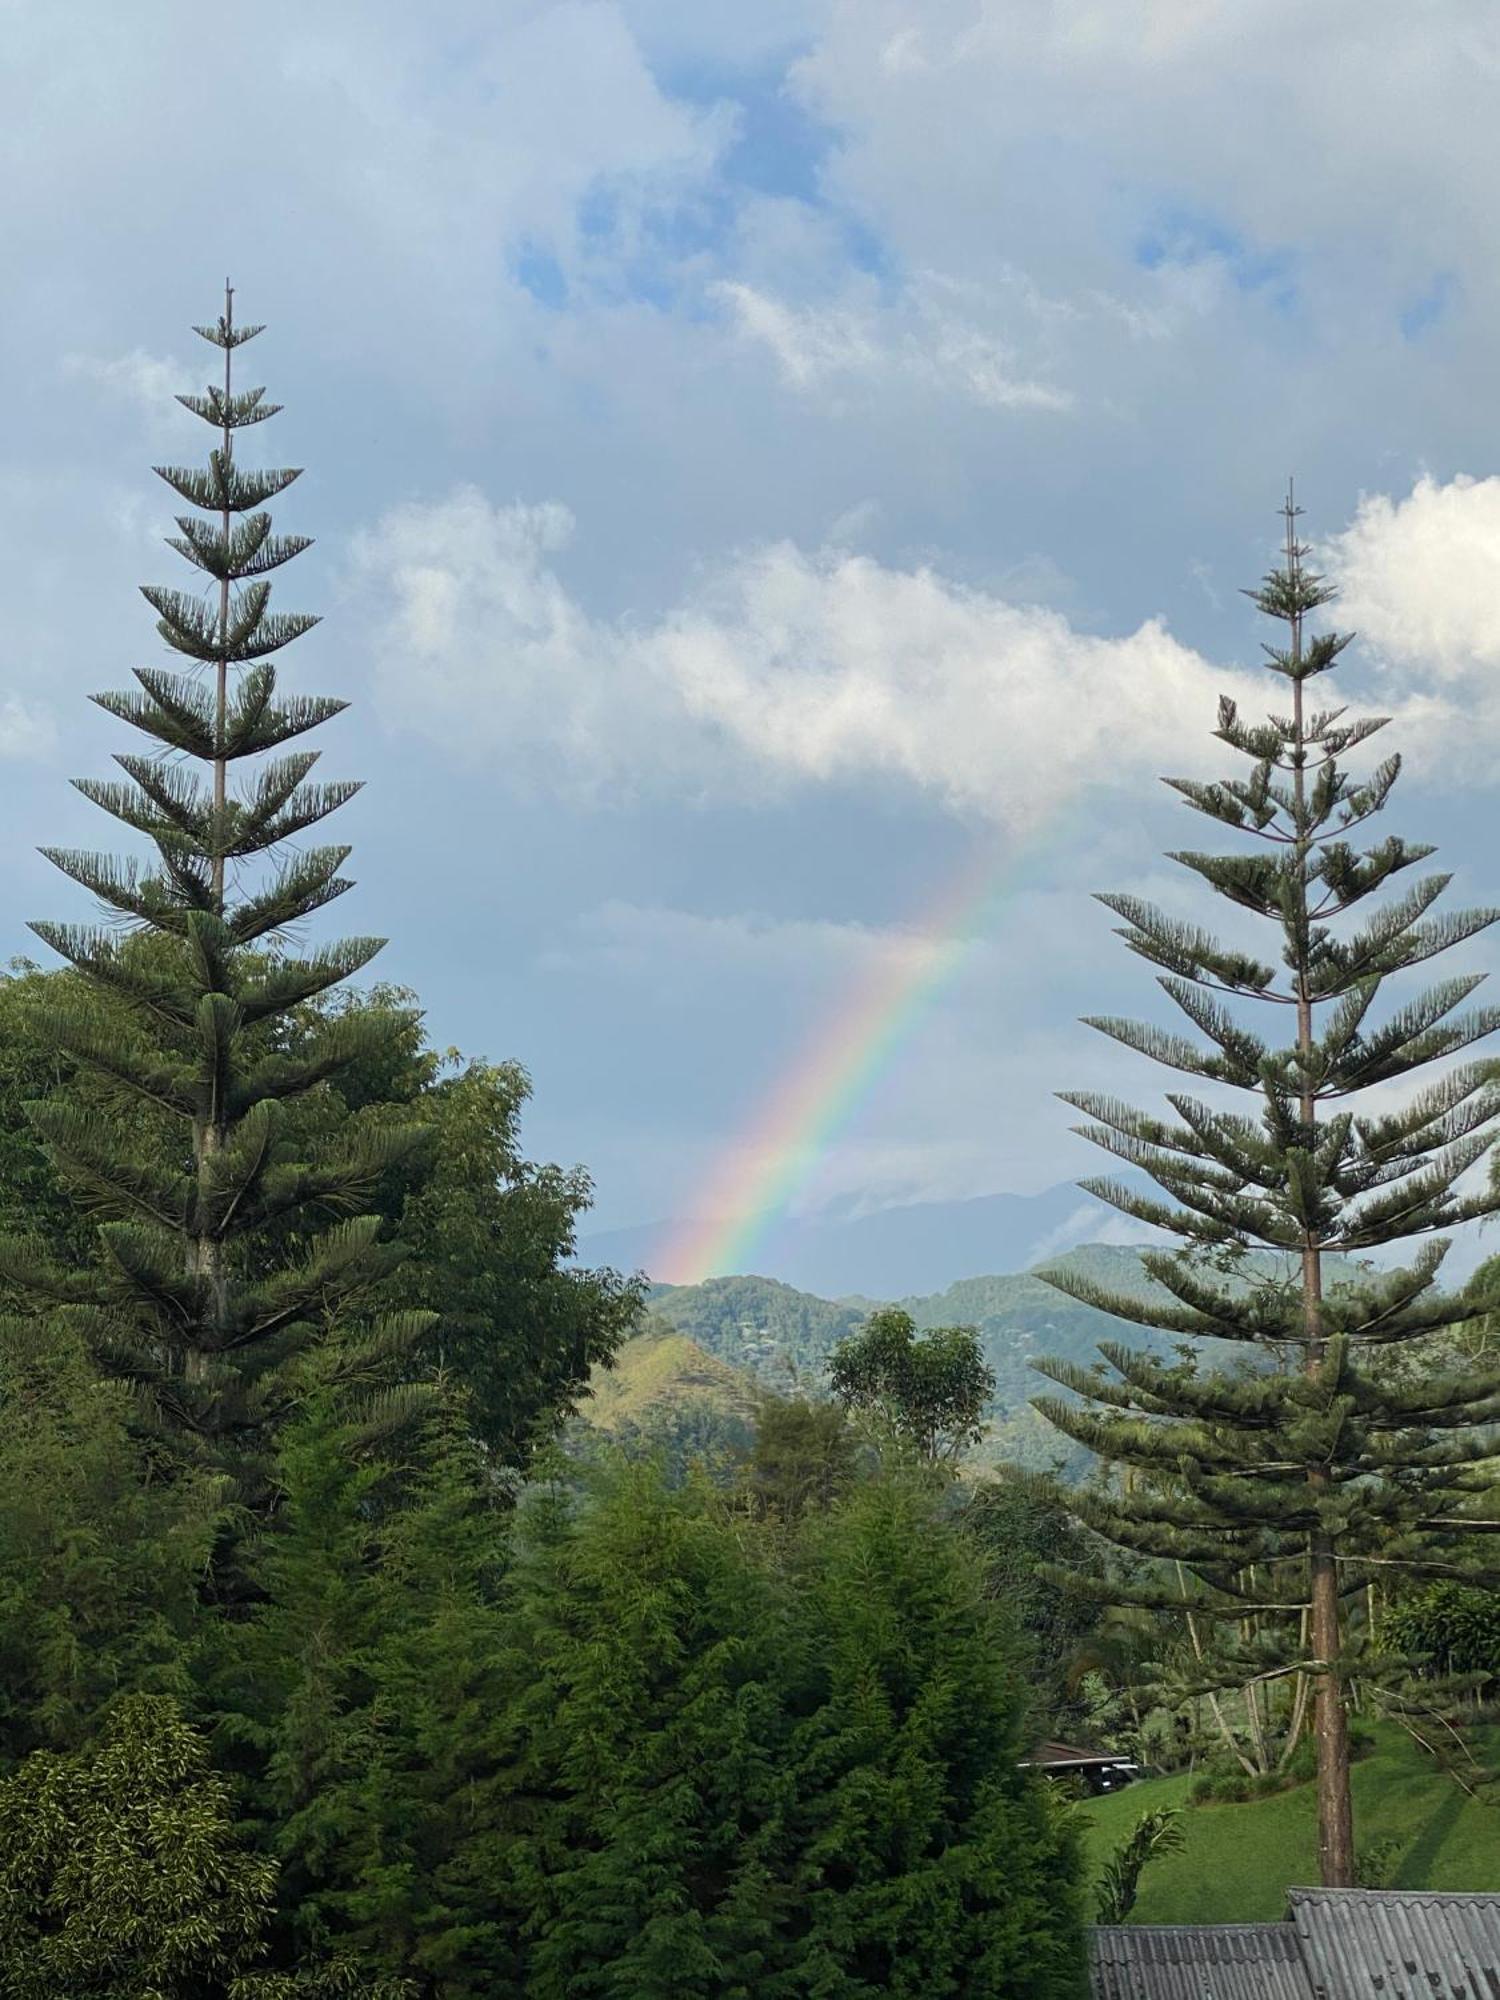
784,1337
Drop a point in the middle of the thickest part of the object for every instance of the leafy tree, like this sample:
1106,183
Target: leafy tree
928,1393
369,1689
1259,1490
124,1875
121,1873
805,1455
100,1561
33,1200
1453,1626
928,1862
483,1235
487,1236
650,1723
1035,1554
184,1299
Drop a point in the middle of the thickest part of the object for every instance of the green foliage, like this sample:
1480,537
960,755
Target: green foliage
927,1394
1035,1558
805,1457
121,1873
476,1233
931,1862
487,1236
100,1557
653,1722
33,1201
1454,1627
1156,1832
369,1690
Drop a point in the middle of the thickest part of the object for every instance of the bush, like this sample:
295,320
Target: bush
1453,1627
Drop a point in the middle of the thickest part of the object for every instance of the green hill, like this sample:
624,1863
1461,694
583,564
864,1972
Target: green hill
666,1394
661,1370
784,1336
1239,1860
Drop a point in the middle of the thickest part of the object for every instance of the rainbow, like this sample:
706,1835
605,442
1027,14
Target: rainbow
778,1150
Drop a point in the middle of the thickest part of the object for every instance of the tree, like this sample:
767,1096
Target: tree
647,1725
122,1876
100,1561
1267,1495
770,1765
487,1235
1034,1554
927,1861
125,1875
186,1299
928,1393
368,1692
804,1456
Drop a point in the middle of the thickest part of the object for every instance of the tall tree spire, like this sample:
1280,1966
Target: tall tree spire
188,991
1264,1499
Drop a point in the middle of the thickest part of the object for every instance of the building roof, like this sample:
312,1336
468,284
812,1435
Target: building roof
1398,1944
1199,1962
1058,1756
1340,1944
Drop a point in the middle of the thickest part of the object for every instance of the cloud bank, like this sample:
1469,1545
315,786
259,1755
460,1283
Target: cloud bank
781,666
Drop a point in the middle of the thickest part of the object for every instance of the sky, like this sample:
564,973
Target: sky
771,467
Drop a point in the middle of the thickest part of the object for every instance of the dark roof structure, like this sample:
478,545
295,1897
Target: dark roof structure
1399,1944
1337,1944
1198,1962
1068,1757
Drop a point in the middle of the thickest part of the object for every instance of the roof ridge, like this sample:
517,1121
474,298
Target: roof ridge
1398,1895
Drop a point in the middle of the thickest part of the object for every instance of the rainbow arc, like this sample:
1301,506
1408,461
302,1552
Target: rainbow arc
777,1152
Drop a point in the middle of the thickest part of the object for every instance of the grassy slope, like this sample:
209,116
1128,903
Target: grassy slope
1240,1859
662,1369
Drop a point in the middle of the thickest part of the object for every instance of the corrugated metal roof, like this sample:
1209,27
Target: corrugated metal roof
1199,1962
1398,1944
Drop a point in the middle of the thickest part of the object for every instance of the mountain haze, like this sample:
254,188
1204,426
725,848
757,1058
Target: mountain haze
892,1253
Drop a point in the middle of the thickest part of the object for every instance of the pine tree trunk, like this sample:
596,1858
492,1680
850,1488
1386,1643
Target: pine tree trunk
206,1258
1330,1714
1330,1718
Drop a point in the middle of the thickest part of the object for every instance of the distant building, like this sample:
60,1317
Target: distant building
1336,1944
1096,1770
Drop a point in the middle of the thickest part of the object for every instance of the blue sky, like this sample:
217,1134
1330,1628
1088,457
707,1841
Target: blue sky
757,456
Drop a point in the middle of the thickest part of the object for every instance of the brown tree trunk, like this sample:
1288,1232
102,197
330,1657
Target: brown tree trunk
1330,1715
206,1252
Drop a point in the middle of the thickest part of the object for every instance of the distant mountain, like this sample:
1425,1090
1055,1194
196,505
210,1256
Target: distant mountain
691,1380
663,1375
895,1252
783,1337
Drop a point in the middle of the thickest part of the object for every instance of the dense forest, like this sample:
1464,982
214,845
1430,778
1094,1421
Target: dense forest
393,1607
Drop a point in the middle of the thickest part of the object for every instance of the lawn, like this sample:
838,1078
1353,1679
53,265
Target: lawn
1240,1859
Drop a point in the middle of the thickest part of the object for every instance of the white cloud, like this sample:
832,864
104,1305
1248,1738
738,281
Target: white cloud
147,381
1420,577
25,729
1419,583
781,666
1090,1222
925,342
